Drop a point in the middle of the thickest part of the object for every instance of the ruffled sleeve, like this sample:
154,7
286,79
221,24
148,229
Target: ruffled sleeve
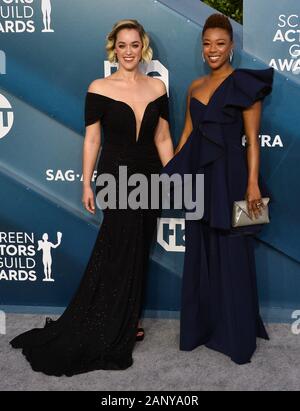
249,86
214,146
163,104
94,108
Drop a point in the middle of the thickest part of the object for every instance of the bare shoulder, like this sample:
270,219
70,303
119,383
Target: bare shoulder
158,85
196,83
98,86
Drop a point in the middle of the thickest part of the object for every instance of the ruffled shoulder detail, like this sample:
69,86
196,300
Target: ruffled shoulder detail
94,107
240,90
209,149
248,86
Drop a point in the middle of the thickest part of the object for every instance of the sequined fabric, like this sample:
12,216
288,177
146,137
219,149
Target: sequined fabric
98,328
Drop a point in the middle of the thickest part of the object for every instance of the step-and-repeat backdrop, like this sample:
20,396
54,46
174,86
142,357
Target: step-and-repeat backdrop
50,51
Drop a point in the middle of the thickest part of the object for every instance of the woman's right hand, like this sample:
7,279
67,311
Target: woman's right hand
88,199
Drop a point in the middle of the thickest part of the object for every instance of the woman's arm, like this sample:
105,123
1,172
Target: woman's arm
163,141
188,126
91,147
162,137
252,117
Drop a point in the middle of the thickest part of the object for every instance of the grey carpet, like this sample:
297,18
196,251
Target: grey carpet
159,365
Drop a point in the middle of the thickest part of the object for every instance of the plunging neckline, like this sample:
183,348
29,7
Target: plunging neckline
137,132
215,92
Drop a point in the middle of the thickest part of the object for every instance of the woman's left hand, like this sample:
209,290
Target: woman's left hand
254,200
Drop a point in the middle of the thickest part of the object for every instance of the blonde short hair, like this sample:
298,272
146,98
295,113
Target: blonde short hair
147,52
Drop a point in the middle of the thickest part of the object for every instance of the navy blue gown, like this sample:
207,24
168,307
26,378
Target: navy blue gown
219,292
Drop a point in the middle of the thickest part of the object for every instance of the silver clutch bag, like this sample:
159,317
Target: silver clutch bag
241,218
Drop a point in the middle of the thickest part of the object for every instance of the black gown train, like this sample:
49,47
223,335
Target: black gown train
98,328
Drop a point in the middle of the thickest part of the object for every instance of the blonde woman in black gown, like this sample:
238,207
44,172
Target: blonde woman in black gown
98,330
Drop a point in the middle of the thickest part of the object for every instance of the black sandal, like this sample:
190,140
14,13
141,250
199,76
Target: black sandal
140,334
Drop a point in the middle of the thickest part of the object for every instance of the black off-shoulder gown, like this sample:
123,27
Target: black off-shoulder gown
98,328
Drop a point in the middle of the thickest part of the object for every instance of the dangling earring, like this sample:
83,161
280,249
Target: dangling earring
231,56
203,58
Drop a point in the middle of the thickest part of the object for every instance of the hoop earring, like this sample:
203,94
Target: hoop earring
231,56
203,58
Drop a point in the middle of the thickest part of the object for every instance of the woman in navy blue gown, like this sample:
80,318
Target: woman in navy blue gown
219,296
